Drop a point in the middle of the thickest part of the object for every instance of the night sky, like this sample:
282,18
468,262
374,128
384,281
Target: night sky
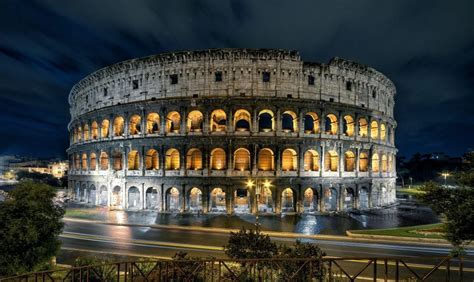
425,47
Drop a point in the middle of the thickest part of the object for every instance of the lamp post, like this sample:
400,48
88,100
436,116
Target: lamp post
258,191
445,176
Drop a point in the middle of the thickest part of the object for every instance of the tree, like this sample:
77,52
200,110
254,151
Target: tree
250,244
29,228
302,250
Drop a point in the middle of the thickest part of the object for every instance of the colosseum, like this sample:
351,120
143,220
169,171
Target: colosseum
233,131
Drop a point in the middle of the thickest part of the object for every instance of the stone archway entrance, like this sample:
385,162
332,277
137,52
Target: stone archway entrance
265,201
217,200
310,201
116,197
92,195
241,199
134,198
103,196
151,198
287,200
195,200
330,199
363,198
173,200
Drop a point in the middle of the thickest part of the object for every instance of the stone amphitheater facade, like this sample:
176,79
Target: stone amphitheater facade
233,130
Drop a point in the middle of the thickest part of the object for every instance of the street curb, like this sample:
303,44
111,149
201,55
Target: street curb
351,238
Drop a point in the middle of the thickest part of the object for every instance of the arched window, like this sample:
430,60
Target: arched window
217,200
349,161
117,160
93,162
104,161
194,159
331,124
311,123
241,159
218,159
289,160
265,121
194,121
331,160
118,126
383,132
77,161
79,134
152,123
133,160
86,132
348,126
135,125
265,160
390,163
374,130
242,120
384,163
104,130
289,122
84,161
375,163
152,161
195,199
172,159
363,162
94,130
311,160
363,128
287,200
218,121
173,120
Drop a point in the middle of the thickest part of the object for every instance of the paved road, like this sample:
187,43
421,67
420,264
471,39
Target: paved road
155,242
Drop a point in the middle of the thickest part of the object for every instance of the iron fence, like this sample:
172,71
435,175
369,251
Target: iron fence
326,269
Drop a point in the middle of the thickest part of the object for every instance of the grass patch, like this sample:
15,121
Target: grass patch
79,213
418,231
412,191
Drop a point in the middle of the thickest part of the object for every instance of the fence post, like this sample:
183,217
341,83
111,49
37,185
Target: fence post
397,269
385,270
461,269
375,270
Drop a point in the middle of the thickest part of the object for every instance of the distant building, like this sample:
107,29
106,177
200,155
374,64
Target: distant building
58,169
13,164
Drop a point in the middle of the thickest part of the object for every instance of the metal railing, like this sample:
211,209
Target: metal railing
326,269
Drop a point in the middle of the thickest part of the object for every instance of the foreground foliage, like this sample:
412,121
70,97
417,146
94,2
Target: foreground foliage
29,228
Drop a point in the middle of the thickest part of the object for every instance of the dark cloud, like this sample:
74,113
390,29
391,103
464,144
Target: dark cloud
425,47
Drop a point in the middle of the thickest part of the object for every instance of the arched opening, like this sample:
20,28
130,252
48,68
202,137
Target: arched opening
374,130
363,162
265,121
173,200
390,163
265,160
241,198
375,163
151,160
242,159
173,120
349,199
242,120
311,160
217,200
86,132
311,123
194,121
383,132
153,123
84,194
94,130
133,160
84,161
194,159
218,121
331,124
289,122
93,162
330,199
133,198
218,159
349,161
265,200
363,198
104,130
103,196
310,200
117,160
151,198
135,126
172,159
289,160
79,134
104,161
287,200
348,126
384,163
77,162
116,200
363,128
375,195
195,200
92,195
118,126
331,160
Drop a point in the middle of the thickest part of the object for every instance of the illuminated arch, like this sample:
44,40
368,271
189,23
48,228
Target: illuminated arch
363,162
79,134
104,161
384,163
117,160
104,129
265,160
172,159
242,159
118,126
331,161
374,130
218,159
195,199
135,125
331,124
86,132
348,125
94,130
133,160
151,160
311,160
266,121
289,160
217,200
84,162
311,123
363,127
287,200
289,121
93,161
194,159
383,132
242,120
218,121
152,123
173,120
349,161
194,121
375,163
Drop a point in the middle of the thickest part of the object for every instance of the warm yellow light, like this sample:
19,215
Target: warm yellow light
266,184
249,183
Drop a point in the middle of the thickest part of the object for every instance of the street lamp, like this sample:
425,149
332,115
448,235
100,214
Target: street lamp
445,175
258,189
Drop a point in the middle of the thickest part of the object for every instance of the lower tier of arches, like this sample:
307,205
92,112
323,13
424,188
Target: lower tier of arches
234,195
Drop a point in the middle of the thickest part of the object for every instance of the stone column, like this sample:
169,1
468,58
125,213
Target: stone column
322,208
356,126
321,160
340,131
369,195
183,121
254,159
162,122
277,162
278,121
126,122
300,160
230,167
229,195
142,160
341,160
277,200
205,199
340,200
184,199
206,127
142,198
254,128
301,123
111,127
182,160
230,121
356,197
357,162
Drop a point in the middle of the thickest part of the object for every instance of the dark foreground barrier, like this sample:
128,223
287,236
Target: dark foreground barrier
326,269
